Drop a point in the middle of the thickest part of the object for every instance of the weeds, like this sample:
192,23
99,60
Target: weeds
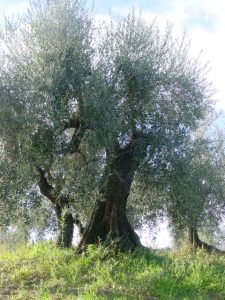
44,272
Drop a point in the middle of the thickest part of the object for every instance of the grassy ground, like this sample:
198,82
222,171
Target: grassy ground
43,272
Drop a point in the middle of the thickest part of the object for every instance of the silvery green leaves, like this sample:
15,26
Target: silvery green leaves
76,94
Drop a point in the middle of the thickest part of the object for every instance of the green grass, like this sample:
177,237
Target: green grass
44,272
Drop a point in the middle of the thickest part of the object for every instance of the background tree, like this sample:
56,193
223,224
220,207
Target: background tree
45,71
196,189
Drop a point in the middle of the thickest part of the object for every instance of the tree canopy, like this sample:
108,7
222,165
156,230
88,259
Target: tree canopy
89,110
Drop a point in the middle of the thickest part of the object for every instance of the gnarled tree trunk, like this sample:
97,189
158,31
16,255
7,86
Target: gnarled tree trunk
65,219
109,221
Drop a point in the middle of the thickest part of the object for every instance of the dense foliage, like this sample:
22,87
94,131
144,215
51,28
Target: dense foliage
96,118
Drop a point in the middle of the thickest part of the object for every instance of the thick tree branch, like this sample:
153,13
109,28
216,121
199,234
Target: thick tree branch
79,132
46,189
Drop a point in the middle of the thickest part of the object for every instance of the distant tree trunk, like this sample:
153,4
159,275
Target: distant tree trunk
197,243
193,237
109,221
65,219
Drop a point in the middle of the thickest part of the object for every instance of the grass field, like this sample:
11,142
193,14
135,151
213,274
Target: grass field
43,272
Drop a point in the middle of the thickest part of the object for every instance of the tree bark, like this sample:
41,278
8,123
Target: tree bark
65,224
108,223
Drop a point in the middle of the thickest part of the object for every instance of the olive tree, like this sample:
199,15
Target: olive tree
45,70
196,189
86,109
158,97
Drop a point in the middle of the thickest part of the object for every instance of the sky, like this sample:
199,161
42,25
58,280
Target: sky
203,20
